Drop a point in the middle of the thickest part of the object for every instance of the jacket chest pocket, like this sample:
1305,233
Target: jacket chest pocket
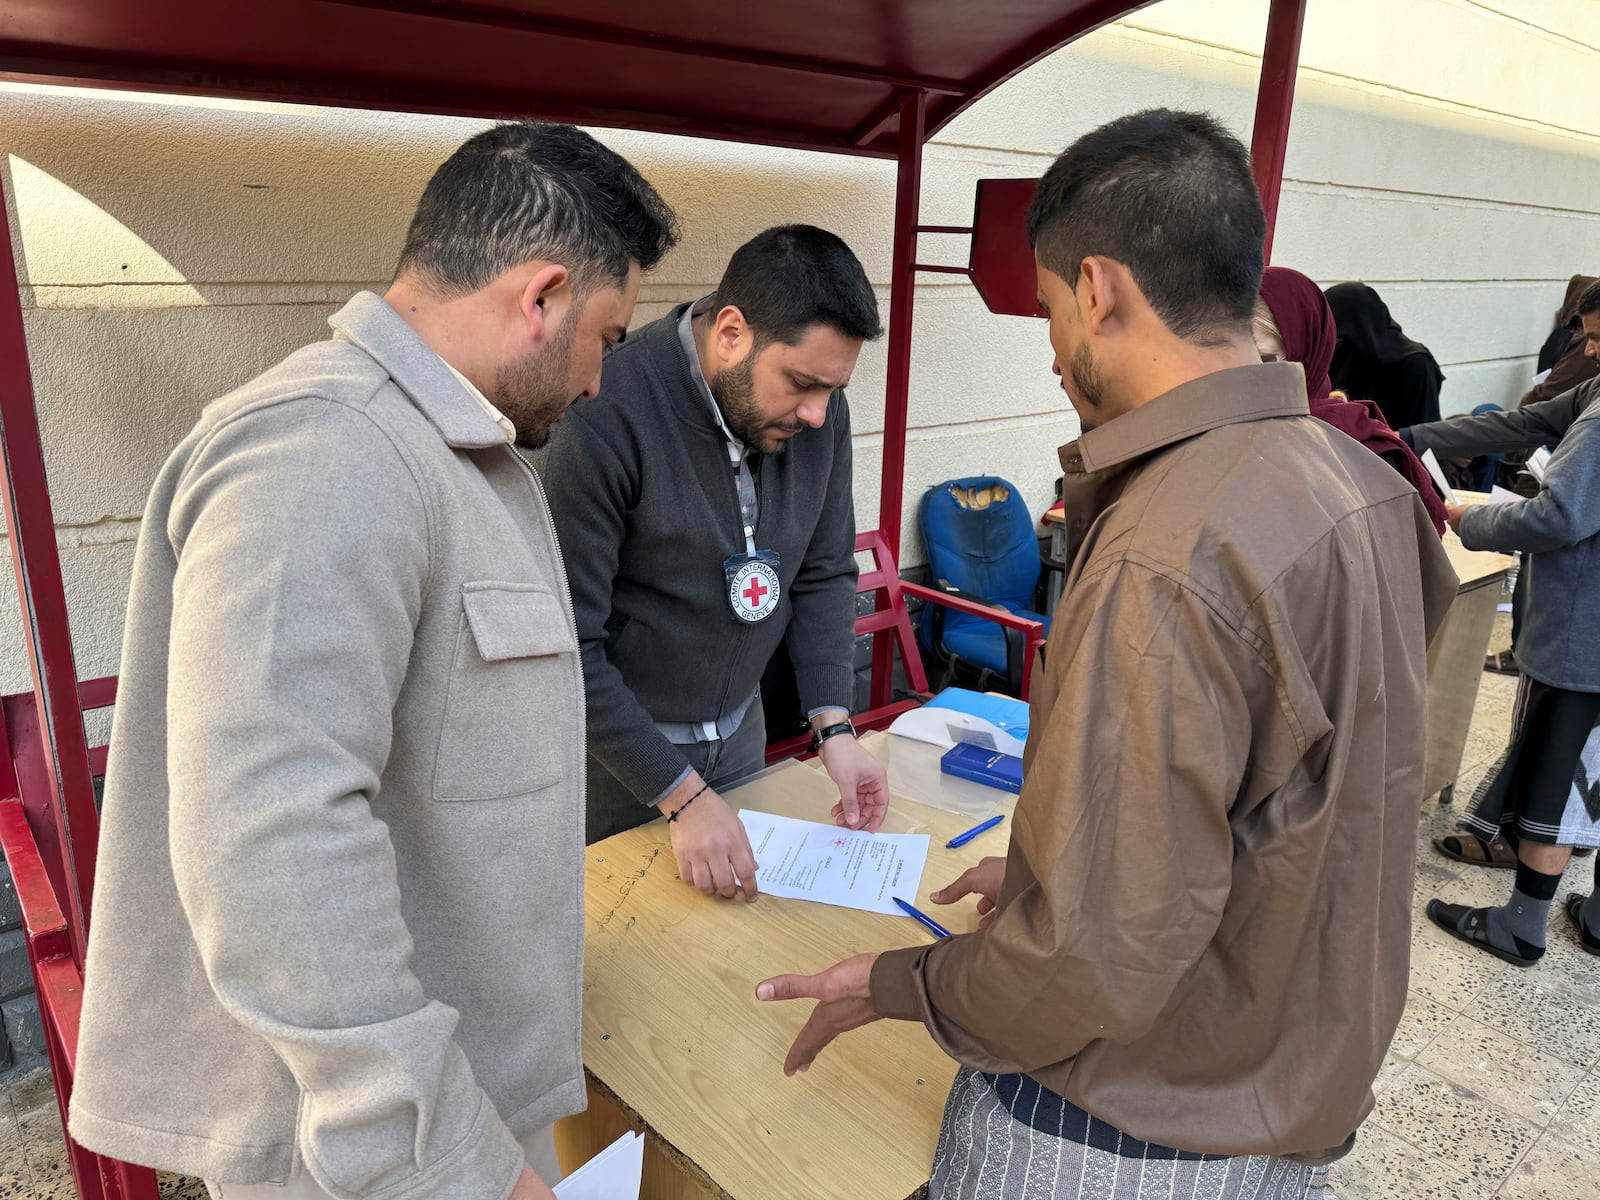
512,705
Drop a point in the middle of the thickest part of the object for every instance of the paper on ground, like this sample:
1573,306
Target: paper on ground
805,860
1431,461
614,1174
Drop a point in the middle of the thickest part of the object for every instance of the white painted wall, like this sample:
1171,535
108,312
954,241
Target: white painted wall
1446,151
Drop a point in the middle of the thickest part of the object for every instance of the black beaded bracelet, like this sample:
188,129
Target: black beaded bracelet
677,812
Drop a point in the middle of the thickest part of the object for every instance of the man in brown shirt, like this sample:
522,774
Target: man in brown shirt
1196,951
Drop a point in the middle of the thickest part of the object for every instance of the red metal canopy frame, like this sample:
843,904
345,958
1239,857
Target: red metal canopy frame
864,77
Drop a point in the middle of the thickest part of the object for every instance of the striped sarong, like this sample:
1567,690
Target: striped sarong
1006,1138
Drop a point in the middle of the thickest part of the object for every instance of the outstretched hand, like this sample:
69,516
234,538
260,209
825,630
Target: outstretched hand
983,881
845,994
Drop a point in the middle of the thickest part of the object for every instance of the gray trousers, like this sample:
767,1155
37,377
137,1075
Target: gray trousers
985,1153
612,808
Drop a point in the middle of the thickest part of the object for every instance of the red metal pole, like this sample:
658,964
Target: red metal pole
1275,104
902,291
30,528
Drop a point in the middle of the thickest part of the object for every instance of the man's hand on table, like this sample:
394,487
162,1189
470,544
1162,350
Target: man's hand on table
709,842
1452,515
845,993
863,784
983,881
531,1187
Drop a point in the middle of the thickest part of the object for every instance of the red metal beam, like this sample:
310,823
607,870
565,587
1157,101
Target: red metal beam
897,396
596,32
30,527
1269,142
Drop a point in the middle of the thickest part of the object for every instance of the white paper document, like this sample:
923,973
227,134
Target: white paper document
1431,461
1537,462
613,1174
805,860
1500,495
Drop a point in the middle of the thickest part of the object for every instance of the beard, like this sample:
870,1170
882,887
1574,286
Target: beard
735,393
535,390
1088,384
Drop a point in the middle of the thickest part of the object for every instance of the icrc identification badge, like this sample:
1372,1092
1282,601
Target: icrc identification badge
753,586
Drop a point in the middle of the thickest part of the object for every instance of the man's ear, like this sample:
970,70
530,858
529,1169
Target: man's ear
729,333
1097,294
535,302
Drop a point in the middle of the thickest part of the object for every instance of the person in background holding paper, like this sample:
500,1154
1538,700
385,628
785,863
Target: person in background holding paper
1564,362
1546,795
338,935
705,504
1542,424
1201,936
1292,322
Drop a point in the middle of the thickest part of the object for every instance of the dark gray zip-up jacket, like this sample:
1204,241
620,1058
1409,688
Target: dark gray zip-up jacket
1542,424
646,509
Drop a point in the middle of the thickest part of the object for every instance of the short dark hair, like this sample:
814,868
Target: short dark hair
1169,195
1589,302
795,276
532,189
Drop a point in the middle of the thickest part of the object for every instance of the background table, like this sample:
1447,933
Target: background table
1455,659
677,1045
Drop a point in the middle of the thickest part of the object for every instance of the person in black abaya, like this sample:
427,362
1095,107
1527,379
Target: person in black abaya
1376,361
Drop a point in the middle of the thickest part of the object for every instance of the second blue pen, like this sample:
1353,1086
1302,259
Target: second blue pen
961,839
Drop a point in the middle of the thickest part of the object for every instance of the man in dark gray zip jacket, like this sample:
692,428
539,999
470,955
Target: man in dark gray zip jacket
704,504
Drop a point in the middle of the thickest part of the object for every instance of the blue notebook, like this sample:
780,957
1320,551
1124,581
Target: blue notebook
1003,771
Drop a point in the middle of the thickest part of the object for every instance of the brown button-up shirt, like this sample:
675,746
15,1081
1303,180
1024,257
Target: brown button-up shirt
1204,934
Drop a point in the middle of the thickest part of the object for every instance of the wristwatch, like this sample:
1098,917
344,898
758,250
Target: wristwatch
818,736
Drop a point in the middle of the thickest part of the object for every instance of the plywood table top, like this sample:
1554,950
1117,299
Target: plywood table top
672,1028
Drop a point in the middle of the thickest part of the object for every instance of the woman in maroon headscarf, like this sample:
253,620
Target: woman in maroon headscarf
1293,322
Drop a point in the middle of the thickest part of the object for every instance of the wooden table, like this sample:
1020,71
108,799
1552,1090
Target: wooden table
676,1044
1455,659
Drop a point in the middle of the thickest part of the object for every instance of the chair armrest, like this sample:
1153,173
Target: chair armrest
1019,665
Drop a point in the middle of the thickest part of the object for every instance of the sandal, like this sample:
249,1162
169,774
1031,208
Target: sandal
1573,905
1473,850
1504,663
1465,923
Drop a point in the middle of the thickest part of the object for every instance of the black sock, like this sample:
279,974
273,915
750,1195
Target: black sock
1519,924
1589,914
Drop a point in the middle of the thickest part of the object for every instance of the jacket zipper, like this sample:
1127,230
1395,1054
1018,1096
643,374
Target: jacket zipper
572,612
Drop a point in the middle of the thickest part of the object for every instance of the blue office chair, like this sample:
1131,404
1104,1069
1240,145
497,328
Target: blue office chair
981,547
1485,469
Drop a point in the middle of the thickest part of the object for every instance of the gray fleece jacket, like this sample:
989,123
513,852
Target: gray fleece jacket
338,913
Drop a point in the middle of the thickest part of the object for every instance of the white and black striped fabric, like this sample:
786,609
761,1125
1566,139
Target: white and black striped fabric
1006,1138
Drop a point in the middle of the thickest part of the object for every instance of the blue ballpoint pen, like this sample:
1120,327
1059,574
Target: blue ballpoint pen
961,839
933,925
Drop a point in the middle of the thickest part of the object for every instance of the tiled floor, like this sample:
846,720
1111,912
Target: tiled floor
1492,1087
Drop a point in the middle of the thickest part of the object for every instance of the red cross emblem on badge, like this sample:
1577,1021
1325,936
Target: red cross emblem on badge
753,591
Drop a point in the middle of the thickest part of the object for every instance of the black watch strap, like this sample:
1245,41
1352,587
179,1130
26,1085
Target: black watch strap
819,736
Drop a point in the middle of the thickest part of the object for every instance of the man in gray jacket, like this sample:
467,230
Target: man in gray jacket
1547,795
338,913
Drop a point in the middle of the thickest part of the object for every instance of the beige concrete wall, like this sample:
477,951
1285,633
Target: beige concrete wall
1447,151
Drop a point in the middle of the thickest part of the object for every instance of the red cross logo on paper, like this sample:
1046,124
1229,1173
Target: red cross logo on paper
753,592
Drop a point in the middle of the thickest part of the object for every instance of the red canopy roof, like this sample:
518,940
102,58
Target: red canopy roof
817,74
